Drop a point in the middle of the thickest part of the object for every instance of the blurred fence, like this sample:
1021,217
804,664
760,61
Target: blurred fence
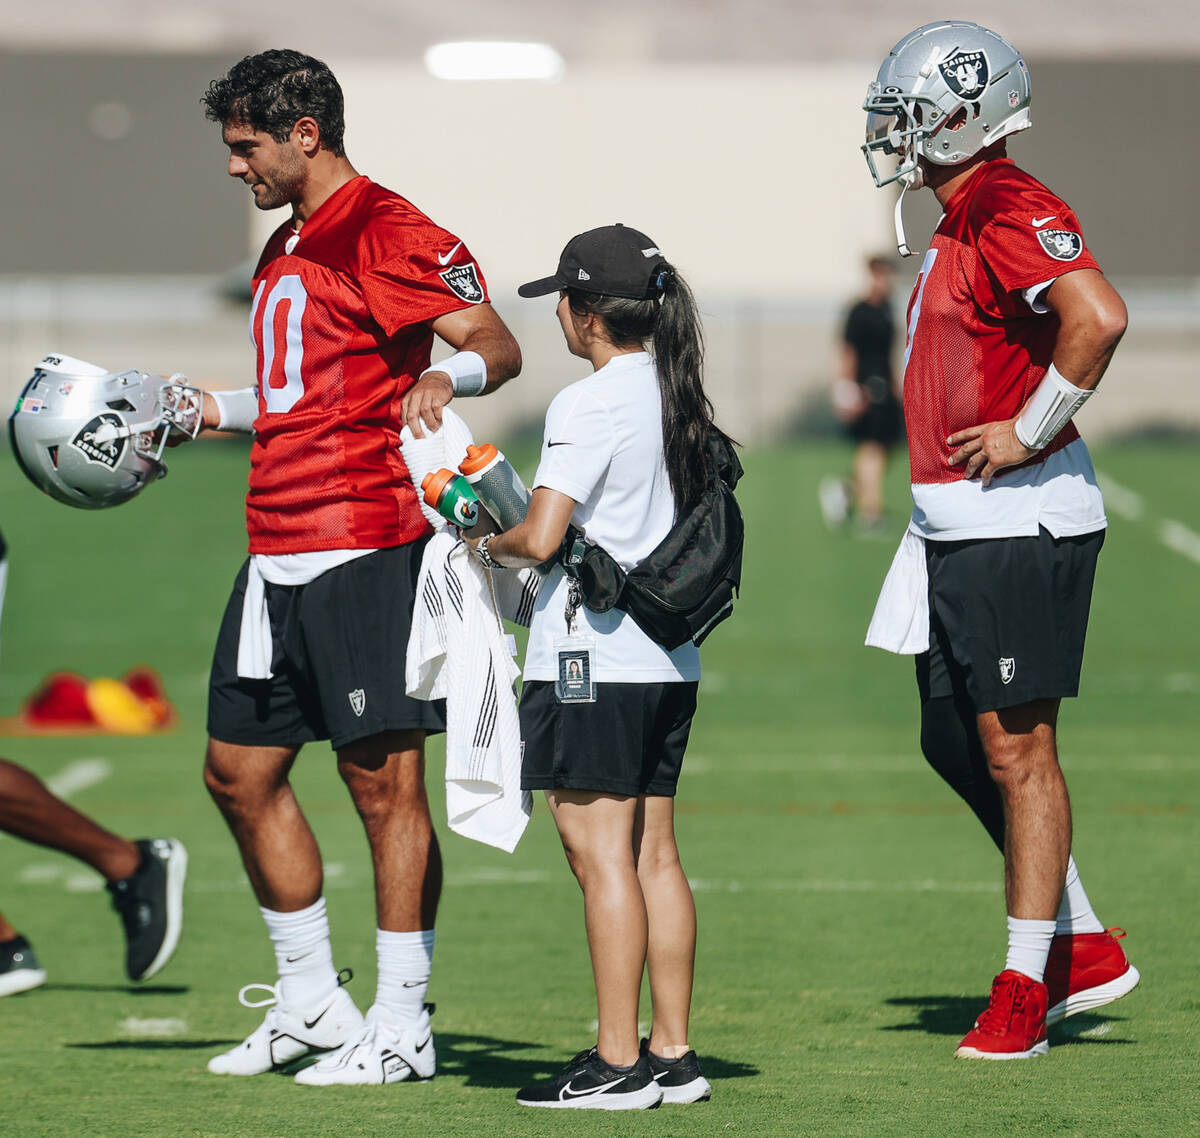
769,362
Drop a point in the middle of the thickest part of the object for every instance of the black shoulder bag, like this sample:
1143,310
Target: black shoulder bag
687,584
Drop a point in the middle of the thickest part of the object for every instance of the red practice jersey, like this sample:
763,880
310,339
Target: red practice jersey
976,349
341,322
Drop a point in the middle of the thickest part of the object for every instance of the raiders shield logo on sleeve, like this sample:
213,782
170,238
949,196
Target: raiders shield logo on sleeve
463,280
1061,244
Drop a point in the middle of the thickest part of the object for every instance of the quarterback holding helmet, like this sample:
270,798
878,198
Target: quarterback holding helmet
1010,327
93,438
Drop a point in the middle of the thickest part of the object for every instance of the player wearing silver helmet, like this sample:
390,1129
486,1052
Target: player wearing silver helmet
1010,327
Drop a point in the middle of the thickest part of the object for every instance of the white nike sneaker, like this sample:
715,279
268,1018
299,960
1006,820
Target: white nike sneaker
380,1053
288,1034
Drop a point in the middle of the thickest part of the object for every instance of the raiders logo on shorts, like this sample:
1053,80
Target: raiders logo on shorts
1061,244
98,442
463,280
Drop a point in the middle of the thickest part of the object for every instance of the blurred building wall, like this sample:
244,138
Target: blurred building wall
108,166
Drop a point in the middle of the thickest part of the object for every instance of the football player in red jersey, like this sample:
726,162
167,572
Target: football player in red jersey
1010,327
347,298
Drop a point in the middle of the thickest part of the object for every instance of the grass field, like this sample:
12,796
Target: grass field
851,914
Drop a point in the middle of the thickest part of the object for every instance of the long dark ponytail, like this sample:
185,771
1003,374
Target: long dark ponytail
671,327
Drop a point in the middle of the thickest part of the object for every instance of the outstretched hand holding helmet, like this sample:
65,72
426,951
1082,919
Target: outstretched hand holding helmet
92,438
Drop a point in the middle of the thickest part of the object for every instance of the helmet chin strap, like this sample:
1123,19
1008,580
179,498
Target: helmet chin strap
913,180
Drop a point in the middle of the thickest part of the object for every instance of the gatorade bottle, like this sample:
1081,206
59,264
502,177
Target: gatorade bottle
451,495
496,484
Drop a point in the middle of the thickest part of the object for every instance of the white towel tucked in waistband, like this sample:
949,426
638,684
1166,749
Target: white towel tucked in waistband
900,623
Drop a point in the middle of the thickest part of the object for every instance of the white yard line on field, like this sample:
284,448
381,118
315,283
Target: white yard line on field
1131,506
78,776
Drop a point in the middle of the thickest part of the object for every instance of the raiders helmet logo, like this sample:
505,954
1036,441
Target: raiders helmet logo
1061,244
99,442
463,280
1008,669
966,73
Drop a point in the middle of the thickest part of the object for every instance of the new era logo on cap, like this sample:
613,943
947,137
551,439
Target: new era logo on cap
613,260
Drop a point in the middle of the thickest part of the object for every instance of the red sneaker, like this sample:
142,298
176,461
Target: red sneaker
1013,1025
1086,971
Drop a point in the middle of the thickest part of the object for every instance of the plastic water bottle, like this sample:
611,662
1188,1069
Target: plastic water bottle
451,495
496,484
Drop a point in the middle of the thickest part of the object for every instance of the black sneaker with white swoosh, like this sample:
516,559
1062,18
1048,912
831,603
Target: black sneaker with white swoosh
680,1079
587,1082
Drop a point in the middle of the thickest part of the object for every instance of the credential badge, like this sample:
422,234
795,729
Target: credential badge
1008,669
98,442
463,280
358,701
966,73
1061,244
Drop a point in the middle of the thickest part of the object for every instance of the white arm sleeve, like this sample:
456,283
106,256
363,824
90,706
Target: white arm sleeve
238,409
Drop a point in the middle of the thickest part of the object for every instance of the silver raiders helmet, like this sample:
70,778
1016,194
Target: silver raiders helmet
945,91
92,438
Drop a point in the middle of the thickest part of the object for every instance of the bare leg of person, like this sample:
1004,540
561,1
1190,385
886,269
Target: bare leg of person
7,932
671,917
29,810
1023,758
597,836
870,462
250,787
386,777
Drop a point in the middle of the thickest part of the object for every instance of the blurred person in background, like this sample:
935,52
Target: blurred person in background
348,295
866,402
623,453
1010,327
145,878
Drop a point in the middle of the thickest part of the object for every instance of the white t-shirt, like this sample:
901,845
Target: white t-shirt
603,447
1061,494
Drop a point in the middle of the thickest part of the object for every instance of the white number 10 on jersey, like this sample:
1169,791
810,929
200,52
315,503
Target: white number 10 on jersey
289,347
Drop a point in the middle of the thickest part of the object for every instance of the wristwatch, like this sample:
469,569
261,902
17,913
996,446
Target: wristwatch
485,558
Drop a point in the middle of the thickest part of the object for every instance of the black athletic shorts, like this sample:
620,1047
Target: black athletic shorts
630,741
338,646
1009,616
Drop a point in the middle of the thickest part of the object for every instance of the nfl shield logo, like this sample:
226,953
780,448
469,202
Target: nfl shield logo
1008,668
358,701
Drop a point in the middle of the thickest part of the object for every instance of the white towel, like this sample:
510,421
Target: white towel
458,651
445,447
900,622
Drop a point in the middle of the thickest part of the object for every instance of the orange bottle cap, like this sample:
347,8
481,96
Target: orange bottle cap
434,485
478,456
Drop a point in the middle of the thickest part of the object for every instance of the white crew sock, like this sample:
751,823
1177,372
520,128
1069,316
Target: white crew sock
1028,947
303,954
1075,912
405,961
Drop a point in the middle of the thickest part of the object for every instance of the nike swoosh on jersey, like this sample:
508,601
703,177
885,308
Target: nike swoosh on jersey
446,259
1038,222
564,443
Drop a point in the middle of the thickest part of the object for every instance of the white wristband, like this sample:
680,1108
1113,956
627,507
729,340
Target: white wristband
467,372
1050,408
238,409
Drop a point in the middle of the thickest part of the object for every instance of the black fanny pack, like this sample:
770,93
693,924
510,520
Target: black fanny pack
686,586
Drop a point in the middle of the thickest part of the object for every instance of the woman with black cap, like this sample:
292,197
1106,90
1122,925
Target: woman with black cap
606,711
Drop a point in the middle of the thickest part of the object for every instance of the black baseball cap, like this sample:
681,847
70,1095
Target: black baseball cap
613,260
